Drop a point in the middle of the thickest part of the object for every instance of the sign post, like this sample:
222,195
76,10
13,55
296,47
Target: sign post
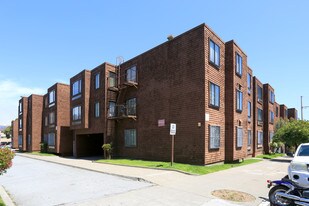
172,132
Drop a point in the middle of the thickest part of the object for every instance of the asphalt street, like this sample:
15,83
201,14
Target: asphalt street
33,182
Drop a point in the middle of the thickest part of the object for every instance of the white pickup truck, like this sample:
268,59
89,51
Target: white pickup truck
299,167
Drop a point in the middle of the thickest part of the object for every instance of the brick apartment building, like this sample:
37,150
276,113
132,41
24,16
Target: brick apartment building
14,133
258,117
90,100
269,115
34,123
292,113
22,123
196,80
283,111
56,120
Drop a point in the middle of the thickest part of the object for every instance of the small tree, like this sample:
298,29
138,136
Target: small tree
6,156
8,132
293,133
107,150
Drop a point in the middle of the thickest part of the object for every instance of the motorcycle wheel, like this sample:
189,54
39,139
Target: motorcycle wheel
276,200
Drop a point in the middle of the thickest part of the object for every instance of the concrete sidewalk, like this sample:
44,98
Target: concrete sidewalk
172,185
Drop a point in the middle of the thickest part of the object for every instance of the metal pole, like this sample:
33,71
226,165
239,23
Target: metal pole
172,155
301,107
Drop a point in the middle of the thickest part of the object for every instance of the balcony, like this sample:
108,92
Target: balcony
122,112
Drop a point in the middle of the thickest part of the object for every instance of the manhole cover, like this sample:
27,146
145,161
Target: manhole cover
233,195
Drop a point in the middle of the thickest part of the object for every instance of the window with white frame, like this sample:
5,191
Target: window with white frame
249,111
52,118
131,74
214,95
214,53
260,115
131,106
77,87
20,123
97,109
238,64
112,109
214,136
130,137
271,116
249,138
239,134
260,94
271,97
20,140
239,98
249,77
52,97
260,137
51,139
97,81
20,108
77,113
271,136
112,79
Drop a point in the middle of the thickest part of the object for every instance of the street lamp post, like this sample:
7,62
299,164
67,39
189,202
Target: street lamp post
302,108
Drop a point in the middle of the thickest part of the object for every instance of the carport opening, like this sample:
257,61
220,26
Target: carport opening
89,145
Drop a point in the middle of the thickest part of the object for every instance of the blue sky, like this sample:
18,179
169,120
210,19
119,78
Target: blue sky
43,42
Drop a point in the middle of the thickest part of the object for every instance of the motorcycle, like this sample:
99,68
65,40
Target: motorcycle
285,192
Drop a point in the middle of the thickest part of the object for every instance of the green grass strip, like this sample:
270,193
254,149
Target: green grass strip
193,169
1,202
270,156
41,154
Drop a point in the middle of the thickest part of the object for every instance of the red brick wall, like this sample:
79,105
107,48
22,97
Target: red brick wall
14,125
268,125
292,113
250,125
234,118
257,148
283,111
23,116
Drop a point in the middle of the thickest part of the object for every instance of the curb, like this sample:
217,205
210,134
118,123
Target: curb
92,170
5,197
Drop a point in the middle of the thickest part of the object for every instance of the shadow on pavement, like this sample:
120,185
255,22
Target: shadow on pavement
283,159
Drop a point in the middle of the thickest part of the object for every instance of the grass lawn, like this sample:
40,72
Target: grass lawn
193,169
270,156
1,202
41,154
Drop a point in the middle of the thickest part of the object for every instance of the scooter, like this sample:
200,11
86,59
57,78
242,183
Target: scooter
285,192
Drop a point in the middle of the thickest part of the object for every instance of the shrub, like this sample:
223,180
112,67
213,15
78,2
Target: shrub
107,150
43,147
6,156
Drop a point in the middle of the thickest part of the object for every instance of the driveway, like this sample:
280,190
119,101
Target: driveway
33,182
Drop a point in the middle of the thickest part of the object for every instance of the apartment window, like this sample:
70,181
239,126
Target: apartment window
46,121
260,94
97,81
271,135
249,111
260,115
277,111
214,54
249,138
249,82
131,106
130,137
239,98
20,140
131,74
45,140
77,113
271,97
214,95
286,113
238,64
271,117
112,81
97,109
260,138
20,108
51,139
51,97
239,136
112,109
52,118
77,87
214,136
20,123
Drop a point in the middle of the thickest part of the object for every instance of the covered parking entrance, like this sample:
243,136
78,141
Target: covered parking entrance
88,145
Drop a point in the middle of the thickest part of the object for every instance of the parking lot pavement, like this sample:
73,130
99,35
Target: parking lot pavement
174,188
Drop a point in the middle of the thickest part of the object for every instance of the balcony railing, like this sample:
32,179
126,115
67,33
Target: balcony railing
121,112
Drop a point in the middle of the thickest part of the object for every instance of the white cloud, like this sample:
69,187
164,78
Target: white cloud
10,93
